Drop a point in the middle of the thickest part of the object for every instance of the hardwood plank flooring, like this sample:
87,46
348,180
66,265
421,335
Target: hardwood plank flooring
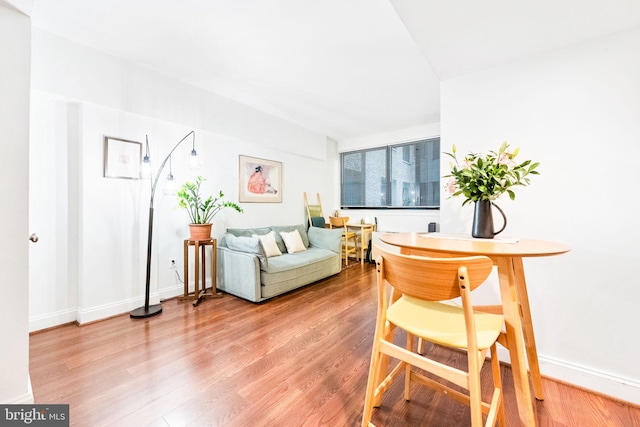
300,359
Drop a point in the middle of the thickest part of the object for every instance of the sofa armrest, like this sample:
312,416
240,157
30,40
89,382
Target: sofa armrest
325,238
239,274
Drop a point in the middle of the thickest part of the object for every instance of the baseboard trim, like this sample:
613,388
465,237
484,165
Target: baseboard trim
52,320
171,292
612,386
94,314
25,399
623,389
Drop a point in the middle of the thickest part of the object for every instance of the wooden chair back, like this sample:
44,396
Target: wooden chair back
339,222
433,279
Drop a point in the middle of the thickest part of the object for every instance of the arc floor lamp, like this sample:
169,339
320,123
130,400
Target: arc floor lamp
152,310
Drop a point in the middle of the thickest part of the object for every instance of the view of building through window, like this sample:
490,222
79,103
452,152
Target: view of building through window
395,176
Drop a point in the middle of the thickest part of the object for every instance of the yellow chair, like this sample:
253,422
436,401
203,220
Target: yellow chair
347,236
417,287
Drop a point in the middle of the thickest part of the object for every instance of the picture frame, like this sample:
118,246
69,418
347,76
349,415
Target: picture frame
260,180
122,158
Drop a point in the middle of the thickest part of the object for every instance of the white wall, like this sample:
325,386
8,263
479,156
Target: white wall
24,6
92,263
81,73
577,111
15,47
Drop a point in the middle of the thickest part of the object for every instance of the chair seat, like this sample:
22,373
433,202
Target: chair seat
443,323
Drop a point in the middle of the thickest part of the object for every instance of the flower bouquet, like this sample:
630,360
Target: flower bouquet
487,177
484,178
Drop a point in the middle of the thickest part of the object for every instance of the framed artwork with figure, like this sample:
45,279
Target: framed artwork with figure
260,180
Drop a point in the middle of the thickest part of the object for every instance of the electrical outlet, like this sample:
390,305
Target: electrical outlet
173,265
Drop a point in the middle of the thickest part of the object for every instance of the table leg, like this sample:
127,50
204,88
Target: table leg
203,260
514,333
186,269
527,328
214,270
196,272
200,271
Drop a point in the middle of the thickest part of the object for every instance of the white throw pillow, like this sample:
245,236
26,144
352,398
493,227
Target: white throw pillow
269,244
293,241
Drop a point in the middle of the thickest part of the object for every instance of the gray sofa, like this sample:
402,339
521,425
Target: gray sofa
245,271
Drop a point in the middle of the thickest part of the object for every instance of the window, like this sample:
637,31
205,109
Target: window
396,176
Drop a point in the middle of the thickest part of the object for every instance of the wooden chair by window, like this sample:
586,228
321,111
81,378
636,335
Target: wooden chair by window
364,233
417,285
315,215
347,236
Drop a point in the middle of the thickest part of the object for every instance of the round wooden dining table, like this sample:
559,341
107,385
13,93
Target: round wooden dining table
507,254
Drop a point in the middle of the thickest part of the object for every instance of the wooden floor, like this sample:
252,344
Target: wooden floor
297,360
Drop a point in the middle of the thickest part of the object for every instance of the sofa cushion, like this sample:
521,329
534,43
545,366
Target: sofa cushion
293,241
301,229
278,283
325,238
268,242
247,244
248,232
291,262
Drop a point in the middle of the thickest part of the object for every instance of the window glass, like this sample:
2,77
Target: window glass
397,176
362,173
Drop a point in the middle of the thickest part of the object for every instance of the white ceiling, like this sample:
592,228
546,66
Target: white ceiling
344,68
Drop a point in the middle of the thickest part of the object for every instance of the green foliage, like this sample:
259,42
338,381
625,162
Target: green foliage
488,177
201,210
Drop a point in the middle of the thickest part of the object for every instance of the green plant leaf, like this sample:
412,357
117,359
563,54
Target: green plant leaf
201,209
486,177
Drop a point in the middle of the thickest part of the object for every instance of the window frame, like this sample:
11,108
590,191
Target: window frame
402,149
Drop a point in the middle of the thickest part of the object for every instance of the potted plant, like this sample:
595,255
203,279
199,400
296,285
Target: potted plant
201,210
483,178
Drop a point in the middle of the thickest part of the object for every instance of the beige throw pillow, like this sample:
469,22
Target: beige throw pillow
293,241
269,244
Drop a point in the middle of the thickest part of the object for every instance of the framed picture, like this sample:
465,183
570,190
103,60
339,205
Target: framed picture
260,180
122,158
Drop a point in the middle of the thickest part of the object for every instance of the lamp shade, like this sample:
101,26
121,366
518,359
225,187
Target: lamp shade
145,166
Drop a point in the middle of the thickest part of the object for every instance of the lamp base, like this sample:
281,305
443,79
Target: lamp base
141,313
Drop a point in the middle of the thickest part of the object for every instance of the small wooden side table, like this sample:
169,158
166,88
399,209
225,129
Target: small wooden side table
200,292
